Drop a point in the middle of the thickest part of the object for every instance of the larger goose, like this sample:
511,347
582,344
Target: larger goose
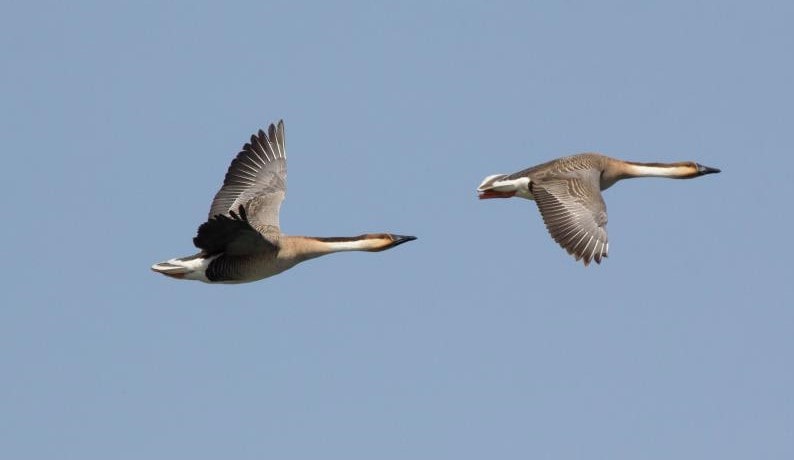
241,241
568,194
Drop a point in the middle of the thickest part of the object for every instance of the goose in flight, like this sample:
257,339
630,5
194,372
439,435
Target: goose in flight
568,194
241,241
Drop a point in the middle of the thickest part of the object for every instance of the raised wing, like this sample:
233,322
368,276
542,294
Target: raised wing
256,180
575,215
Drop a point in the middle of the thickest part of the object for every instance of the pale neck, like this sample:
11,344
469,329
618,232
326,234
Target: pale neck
674,170
615,170
307,247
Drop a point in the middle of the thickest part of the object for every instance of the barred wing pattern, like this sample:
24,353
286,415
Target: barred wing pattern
576,223
256,180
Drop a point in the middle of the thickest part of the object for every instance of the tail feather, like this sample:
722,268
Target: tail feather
500,186
488,182
192,268
170,269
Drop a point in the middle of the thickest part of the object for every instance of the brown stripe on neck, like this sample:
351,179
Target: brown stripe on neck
345,239
660,165
338,239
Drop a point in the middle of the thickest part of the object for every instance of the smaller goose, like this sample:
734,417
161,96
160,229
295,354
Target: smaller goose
568,194
241,241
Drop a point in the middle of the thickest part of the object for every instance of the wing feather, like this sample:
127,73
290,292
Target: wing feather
575,215
256,180
232,235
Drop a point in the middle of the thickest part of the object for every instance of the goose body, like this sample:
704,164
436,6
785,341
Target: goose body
567,192
241,240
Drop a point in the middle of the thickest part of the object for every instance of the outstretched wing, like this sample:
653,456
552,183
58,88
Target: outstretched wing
256,180
575,215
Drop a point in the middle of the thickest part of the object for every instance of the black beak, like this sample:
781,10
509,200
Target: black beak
400,239
702,170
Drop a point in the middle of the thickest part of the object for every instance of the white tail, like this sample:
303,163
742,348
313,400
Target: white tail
498,186
488,182
192,268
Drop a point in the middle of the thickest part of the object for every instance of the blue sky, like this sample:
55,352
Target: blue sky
482,339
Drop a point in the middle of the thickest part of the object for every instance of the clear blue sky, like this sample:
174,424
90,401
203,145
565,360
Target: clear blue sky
482,339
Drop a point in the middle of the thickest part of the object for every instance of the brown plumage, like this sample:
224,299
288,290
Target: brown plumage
568,194
241,241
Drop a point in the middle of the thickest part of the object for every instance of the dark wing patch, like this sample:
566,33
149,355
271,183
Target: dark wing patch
232,235
575,215
256,179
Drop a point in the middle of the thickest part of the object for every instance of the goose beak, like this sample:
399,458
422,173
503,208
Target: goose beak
702,170
400,239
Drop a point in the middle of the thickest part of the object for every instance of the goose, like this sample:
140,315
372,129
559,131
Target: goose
567,192
241,240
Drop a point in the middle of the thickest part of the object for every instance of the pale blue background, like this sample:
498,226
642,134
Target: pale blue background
482,339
